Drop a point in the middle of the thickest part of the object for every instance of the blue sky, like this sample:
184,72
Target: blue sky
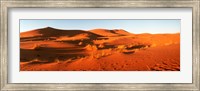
130,25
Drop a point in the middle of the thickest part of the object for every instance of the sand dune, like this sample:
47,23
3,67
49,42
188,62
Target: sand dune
107,33
50,49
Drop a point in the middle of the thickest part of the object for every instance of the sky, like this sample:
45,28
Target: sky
136,26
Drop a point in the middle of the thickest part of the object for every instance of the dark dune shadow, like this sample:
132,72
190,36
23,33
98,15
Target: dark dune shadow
76,42
48,54
102,38
84,41
59,50
130,52
36,38
39,62
112,31
136,47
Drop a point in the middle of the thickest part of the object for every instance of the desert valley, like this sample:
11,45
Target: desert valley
51,49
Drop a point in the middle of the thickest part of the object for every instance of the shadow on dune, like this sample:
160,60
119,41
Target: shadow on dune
36,38
51,54
136,47
83,41
76,42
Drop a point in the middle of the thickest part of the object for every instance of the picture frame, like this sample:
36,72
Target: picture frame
7,4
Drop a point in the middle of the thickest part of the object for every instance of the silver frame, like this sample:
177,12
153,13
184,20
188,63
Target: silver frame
6,4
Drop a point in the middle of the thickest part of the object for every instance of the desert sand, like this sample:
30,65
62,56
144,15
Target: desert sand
50,49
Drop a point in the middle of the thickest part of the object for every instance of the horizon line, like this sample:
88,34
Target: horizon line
97,28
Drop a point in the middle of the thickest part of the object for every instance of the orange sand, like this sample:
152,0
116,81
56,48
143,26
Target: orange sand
50,49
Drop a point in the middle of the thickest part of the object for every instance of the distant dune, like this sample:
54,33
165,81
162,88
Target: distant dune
107,33
52,32
50,49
